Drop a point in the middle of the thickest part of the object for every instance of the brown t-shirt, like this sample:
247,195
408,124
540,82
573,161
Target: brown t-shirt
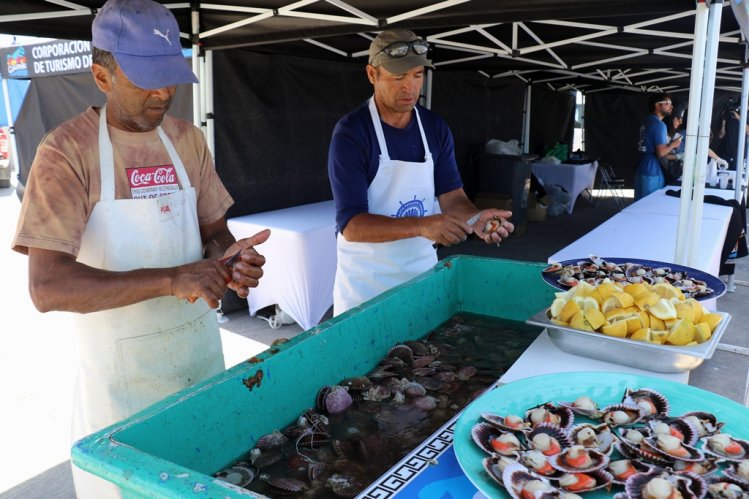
64,182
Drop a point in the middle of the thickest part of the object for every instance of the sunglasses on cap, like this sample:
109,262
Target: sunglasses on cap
400,49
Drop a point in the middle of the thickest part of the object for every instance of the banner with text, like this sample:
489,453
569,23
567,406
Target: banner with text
45,59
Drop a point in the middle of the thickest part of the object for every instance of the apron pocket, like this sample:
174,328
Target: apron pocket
158,364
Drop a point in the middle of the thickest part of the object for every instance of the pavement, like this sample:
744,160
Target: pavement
38,357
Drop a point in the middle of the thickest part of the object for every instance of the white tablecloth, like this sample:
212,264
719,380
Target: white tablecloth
300,259
572,178
660,203
648,236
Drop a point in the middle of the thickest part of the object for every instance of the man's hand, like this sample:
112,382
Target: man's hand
246,271
446,230
493,225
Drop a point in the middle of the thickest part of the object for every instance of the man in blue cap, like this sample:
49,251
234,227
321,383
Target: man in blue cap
123,220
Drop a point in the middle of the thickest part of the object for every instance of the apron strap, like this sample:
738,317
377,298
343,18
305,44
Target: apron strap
381,134
384,156
106,158
176,161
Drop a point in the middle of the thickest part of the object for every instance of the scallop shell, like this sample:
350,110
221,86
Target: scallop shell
554,267
710,449
337,400
708,422
598,460
652,403
271,441
716,484
605,436
688,485
240,475
708,466
495,465
680,428
695,454
639,467
483,433
313,439
402,352
594,413
732,471
603,479
610,412
499,422
559,415
516,476
538,463
268,458
553,431
286,486
345,485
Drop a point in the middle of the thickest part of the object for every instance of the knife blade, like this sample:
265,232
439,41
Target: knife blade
470,221
233,258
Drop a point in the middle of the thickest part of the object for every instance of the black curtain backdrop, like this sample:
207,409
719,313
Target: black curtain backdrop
552,119
274,118
275,115
477,109
612,129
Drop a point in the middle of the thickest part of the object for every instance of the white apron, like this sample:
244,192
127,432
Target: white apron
133,356
400,189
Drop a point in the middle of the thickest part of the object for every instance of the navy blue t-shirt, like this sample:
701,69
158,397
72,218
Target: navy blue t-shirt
354,157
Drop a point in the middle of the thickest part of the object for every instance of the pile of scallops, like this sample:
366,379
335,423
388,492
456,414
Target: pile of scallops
631,449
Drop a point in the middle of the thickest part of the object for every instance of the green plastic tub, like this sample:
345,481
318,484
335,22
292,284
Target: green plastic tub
172,448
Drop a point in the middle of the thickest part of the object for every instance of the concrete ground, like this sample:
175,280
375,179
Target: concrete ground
38,358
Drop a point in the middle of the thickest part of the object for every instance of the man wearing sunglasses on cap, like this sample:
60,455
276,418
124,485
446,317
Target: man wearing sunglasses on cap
654,144
395,182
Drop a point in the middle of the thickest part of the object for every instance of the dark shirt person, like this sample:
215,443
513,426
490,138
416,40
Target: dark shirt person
395,181
123,221
728,136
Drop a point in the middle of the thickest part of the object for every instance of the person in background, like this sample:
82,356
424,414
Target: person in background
672,162
728,136
395,181
653,145
123,221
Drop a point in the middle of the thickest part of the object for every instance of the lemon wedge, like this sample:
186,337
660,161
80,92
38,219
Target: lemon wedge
712,320
618,329
664,310
682,333
667,290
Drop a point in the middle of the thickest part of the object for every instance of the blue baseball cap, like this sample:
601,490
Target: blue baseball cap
143,36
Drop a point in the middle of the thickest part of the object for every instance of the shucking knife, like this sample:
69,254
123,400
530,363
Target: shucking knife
228,262
470,221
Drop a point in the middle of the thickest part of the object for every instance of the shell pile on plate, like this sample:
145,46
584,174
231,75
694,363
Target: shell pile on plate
633,449
595,269
656,313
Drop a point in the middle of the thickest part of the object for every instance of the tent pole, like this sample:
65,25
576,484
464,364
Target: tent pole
11,130
690,147
195,29
706,106
527,119
740,161
209,101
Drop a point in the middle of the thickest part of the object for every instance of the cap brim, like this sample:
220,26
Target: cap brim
156,71
404,64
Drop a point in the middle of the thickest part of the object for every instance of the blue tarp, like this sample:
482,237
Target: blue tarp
17,91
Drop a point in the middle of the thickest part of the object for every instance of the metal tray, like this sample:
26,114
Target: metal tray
633,353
